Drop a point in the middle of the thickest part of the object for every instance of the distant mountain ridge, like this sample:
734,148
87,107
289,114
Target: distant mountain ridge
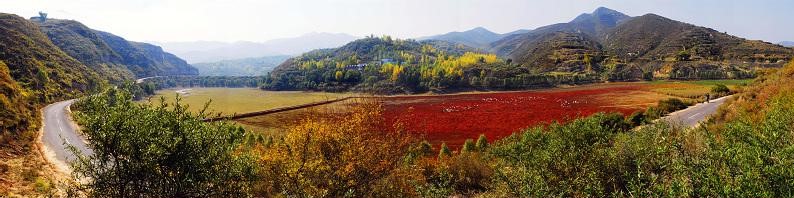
478,37
241,67
111,55
604,45
607,38
786,43
212,51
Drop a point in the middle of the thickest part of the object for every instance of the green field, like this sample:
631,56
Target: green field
694,89
242,100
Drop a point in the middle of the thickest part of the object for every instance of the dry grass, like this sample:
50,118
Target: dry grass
26,175
276,124
242,100
692,89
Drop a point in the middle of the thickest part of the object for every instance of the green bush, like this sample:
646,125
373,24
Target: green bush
720,90
444,151
482,143
671,105
141,150
468,146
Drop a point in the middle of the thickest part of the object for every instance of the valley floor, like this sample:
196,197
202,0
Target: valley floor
451,118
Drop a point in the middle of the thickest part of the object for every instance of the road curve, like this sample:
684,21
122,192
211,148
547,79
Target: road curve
58,132
692,116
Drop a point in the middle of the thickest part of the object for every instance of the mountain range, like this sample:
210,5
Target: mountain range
110,55
258,66
786,43
213,51
605,45
645,42
478,37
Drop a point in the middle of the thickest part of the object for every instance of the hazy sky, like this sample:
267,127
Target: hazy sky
260,20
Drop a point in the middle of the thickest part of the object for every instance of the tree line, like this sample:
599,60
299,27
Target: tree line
388,66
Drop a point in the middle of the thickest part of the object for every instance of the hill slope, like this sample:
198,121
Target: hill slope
112,55
33,72
381,64
38,65
612,43
83,44
593,24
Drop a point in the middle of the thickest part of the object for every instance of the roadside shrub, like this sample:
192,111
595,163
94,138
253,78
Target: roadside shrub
720,90
444,151
671,105
154,151
482,143
338,155
469,173
636,119
561,159
468,146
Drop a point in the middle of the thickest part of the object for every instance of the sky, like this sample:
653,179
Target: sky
261,20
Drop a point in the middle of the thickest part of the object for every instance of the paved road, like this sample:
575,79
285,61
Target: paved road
140,80
692,116
58,132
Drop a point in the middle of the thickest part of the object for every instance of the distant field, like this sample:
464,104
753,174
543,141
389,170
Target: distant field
455,117
693,89
242,100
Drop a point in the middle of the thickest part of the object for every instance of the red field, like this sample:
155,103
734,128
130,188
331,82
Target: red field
455,118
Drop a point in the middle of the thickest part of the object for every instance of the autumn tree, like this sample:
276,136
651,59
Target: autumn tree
339,76
348,154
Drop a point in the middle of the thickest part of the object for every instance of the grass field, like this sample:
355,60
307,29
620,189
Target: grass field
241,100
693,89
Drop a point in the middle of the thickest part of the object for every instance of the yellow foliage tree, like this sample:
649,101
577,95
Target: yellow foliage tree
337,156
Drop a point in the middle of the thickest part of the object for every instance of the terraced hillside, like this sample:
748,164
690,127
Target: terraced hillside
625,48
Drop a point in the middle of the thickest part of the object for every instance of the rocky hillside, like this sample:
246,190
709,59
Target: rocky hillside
83,44
38,65
608,41
111,55
593,24
33,72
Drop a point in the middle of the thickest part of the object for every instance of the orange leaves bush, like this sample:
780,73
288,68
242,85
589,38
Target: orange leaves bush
341,154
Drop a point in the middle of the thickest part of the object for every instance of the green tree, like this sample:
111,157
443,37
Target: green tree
164,151
482,143
670,105
468,146
444,151
720,89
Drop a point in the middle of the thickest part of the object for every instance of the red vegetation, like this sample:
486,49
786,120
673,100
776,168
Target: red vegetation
455,118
